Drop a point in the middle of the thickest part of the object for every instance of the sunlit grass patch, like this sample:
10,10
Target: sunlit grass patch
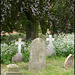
54,66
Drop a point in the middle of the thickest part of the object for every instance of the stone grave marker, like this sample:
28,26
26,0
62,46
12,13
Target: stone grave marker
50,50
18,57
37,54
19,43
12,69
69,62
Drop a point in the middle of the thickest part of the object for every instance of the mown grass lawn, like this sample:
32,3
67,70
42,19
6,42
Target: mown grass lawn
54,66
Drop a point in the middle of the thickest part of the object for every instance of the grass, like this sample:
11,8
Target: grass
54,66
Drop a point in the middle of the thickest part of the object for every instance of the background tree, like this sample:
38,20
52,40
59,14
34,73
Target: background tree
26,15
62,16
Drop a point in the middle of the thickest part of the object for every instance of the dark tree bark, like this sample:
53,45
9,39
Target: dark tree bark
44,26
31,32
31,29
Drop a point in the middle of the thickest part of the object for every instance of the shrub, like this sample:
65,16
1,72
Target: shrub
12,37
26,51
9,50
64,44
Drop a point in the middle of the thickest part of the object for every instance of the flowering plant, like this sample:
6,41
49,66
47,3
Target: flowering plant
64,44
9,50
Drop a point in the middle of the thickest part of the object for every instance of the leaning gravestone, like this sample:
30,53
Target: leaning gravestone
12,69
18,57
50,50
69,61
37,54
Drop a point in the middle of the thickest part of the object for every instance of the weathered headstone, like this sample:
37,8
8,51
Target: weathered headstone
12,69
37,54
18,57
69,61
50,50
19,43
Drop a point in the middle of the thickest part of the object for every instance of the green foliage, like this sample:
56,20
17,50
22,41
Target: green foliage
39,29
26,55
57,15
64,44
10,38
26,51
7,51
21,12
62,16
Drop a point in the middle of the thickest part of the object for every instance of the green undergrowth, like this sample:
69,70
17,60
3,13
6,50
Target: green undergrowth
54,66
8,38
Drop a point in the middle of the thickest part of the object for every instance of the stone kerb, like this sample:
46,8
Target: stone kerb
12,69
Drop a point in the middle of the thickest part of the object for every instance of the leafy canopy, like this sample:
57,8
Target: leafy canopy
55,15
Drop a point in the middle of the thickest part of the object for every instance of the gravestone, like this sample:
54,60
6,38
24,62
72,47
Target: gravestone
69,61
37,54
12,69
19,43
50,50
18,57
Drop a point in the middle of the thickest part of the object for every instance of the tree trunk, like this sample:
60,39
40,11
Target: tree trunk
31,29
31,32
44,26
